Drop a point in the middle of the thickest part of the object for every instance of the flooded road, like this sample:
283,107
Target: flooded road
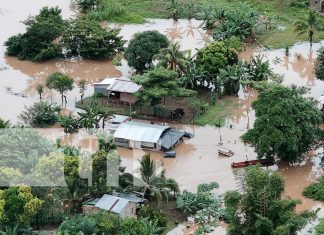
197,159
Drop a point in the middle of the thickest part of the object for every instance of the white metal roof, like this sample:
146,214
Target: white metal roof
112,203
119,85
138,131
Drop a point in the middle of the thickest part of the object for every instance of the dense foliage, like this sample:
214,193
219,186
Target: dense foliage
88,39
213,57
41,114
153,214
259,209
287,125
320,227
319,65
158,84
315,190
142,47
38,42
202,201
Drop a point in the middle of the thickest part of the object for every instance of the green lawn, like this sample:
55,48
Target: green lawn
216,114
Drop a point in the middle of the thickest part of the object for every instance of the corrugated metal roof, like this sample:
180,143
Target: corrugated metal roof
112,203
118,85
138,131
171,137
121,85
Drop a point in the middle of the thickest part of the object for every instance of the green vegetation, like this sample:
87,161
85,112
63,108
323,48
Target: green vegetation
88,39
319,65
158,84
41,114
216,114
61,83
37,44
315,190
309,25
259,208
142,48
320,227
287,124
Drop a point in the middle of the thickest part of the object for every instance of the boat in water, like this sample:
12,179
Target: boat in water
225,152
262,162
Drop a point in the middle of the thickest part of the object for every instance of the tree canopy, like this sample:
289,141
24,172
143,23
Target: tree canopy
88,39
158,84
142,47
60,82
319,65
259,209
38,42
287,125
213,57
41,114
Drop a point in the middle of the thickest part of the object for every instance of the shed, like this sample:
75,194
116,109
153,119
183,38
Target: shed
122,89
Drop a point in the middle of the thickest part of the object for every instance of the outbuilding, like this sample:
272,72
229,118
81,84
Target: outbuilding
125,205
140,135
118,89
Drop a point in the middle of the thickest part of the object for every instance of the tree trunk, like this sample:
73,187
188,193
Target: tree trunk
40,96
82,98
62,97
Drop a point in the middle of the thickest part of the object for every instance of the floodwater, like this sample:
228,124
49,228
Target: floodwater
197,159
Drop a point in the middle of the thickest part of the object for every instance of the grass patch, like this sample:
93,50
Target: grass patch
320,227
315,191
174,215
216,114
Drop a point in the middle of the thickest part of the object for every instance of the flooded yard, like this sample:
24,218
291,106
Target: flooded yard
197,159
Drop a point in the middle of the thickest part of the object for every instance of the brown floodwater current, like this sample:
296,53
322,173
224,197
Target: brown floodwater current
197,159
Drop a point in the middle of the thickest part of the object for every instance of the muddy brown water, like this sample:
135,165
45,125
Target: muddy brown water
197,159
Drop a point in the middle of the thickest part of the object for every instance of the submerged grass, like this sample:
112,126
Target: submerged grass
216,114
282,13
315,190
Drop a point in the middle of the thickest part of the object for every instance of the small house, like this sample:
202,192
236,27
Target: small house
118,90
125,205
147,136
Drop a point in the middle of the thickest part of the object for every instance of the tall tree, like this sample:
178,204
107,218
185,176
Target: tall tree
20,205
173,58
158,84
309,25
88,39
259,208
142,47
82,84
38,42
154,185
287,124
40,90
4,124
60,82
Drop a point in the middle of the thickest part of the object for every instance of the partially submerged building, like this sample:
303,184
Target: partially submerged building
125,205
118,89
147,136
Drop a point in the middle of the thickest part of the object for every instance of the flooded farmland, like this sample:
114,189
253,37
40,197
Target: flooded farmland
197,159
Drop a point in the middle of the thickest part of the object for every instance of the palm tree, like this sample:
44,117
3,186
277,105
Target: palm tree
40,89
309,25
10,230
173,59
151,227
155,186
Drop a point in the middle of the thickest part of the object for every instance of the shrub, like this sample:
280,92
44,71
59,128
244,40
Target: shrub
41,114
319,65
153,214
316,190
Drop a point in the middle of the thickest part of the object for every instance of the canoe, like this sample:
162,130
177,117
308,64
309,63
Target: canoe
225,152
262,162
